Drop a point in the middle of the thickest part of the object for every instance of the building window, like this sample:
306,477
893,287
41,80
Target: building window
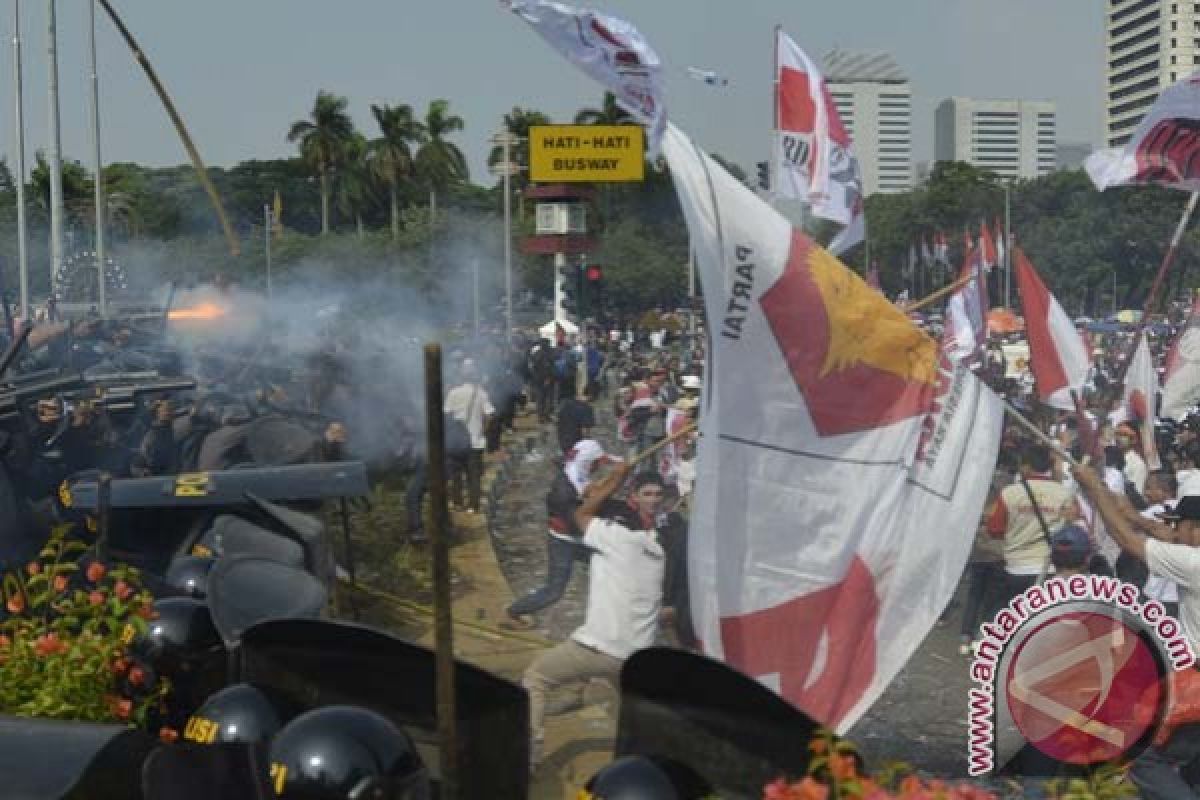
1174,25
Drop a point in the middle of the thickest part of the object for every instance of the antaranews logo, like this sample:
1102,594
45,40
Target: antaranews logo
1075,668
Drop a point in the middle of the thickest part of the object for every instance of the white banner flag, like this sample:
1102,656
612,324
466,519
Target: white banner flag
1141,398
1164,148
833,434
608,49
1181,384
814,156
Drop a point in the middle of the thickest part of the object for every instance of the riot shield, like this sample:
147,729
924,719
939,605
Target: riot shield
186,771
731,730
247,589
319,663
42,759
277,442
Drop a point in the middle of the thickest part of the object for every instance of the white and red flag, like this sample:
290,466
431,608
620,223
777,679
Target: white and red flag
833,432
987,247
1164,148
814,156
608,49
1057,355
965,335
1181,383
1000,244
1141,397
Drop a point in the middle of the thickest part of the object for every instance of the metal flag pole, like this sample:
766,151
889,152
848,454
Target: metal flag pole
772,178
508,289
98,166
268,227
56,197
22,233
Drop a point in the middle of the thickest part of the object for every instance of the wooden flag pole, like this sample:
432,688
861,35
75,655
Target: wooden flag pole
938,295
1038,433
674,437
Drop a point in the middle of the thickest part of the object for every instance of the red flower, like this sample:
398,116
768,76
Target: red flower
123,590
137,676
123,708
168,735
16,603
96,571
33,568
96,598
120,666
49,644
809,789
60,583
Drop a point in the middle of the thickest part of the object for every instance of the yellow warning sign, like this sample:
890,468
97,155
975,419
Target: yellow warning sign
586,153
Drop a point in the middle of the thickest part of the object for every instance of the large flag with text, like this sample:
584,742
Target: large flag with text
833,431
814,156
1057,355
608,49
1181,383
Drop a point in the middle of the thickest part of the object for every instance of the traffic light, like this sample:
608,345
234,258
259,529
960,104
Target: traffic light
764,176
595,280
568,281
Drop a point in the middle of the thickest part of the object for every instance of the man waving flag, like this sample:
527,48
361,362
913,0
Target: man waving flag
833,431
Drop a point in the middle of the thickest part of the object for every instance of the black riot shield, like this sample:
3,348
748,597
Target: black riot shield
731,730
226,487
318,663
247,589
277,442
43,759
187,771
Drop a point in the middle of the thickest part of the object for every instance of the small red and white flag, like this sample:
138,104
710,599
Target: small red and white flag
1000,244
965,335
1056,353
814,156
987,247
1181,383
1163,150
1141,396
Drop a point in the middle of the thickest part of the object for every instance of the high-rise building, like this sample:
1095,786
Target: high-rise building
1012,138
1150,44
874,100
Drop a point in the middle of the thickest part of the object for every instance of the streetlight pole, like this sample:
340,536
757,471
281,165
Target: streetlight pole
56,196
102,288
22,233
507,169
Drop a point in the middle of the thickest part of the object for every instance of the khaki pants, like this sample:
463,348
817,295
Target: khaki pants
569,662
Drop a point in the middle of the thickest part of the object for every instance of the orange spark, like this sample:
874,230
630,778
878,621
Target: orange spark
203,311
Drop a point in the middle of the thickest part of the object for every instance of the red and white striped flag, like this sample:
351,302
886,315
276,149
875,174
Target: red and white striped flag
987,247
814,156
1056,353
827,447
1181,383
1141,396
965,335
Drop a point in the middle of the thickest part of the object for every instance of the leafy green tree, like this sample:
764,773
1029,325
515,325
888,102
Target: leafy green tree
322,139
609,113
518,122
440,162
355,187
391,154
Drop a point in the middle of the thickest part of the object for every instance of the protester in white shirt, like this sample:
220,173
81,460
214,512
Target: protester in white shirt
1135,466
1161,487
625,589
1174,553
468,402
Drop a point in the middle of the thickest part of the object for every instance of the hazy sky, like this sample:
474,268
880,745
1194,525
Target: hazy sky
241,71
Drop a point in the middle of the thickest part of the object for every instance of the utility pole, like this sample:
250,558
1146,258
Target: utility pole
98,165
268,228
56,196
22,233
507,168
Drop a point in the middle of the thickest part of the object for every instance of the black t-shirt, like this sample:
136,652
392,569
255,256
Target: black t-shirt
573,416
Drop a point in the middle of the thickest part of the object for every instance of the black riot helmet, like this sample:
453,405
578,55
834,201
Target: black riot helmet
238,714
189,574
181,633
646,778
346,753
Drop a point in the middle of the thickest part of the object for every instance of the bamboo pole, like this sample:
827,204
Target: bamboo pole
938,295
197,163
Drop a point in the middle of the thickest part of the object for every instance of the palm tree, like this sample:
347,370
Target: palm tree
323,137
354,186
391,155
518,122
438,161
608,114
